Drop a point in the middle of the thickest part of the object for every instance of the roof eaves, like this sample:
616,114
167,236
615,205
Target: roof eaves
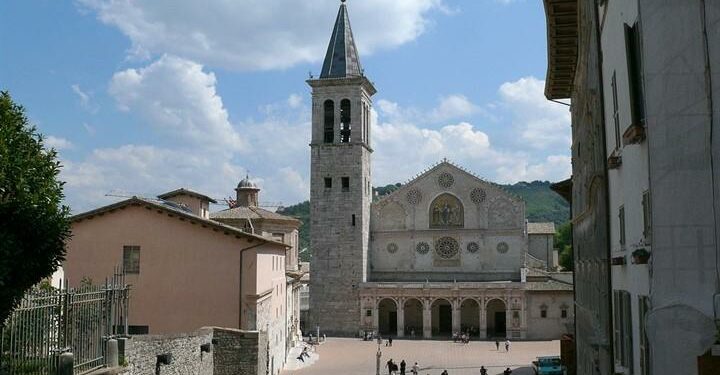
562,47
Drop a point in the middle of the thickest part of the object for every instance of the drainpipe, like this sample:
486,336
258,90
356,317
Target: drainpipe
242,263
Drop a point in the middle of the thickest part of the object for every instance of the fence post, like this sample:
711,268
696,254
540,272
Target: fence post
66,364
111,353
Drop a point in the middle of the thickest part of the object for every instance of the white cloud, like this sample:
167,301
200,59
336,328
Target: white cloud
58,143
542,124
453,106
257,34
176,96
84,97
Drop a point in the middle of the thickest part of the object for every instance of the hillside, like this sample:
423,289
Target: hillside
541,204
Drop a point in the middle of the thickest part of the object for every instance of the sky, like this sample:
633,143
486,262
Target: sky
145,96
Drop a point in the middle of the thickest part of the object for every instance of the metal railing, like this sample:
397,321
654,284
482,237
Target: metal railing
51,321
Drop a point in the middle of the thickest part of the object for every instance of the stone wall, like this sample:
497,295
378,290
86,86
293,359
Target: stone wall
232,351
141,353
239,352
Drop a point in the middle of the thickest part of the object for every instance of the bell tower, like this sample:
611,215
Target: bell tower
340,187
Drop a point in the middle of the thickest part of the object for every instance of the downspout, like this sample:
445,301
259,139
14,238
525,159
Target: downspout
242,263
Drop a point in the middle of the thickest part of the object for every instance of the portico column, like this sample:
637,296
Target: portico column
401,317
376,317
427,319
508,318
483,319
456,315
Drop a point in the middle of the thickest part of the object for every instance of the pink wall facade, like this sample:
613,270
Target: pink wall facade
189,274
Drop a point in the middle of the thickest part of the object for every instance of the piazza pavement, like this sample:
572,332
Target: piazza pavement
357,357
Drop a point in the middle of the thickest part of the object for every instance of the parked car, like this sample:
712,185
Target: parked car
548,366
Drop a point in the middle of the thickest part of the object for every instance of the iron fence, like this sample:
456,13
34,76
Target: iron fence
51,321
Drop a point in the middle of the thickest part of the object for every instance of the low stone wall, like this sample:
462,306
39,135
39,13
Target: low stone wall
239,352
141,353
232,351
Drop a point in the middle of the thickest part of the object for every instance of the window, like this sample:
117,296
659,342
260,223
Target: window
622,316
543,313
621,217
616,111
345,183
353,219
647,217
138,330
345,121
563,313
368,312
131,259
644,308
329,121
328,182
634,61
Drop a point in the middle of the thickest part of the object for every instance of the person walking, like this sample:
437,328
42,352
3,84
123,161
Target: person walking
507,345
415,369
483,370
507,371
390,366
497,345
402,367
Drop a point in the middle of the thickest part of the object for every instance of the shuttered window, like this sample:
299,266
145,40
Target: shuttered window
131,259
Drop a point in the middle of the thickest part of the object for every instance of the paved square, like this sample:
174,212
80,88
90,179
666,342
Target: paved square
357,357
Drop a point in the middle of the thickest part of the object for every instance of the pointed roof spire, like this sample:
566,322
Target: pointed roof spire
342,59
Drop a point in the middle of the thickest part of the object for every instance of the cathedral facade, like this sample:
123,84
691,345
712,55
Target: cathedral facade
447,252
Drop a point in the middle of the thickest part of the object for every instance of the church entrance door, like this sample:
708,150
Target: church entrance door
413,318
441,317
496,319
470,317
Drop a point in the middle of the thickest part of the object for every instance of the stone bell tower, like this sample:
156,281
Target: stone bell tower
340,187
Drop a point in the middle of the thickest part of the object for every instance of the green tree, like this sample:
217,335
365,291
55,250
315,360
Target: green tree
34,223
563,241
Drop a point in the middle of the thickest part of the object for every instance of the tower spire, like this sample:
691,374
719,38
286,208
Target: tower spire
341,59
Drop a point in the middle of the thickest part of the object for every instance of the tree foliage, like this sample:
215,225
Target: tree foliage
34,223
563,241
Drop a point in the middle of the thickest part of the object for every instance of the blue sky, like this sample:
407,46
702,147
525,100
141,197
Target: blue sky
142,97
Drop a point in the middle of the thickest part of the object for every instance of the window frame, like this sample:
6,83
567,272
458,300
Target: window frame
616,110
128,267
345,184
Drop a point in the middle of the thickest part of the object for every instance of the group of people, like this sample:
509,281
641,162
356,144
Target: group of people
393,368
483,371
463,337
507,345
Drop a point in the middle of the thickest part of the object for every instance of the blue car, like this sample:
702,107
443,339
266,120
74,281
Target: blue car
548,366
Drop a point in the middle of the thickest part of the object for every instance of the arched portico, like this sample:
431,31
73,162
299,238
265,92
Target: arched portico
496,318
387,317
470,316
413,314
441,312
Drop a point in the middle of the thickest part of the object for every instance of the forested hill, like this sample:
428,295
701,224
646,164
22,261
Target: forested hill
541,204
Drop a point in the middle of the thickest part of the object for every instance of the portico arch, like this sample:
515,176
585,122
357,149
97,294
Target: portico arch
441,317
387,317
496,319
470,316
413,314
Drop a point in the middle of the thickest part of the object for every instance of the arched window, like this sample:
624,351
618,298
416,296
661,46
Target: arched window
345,121
446,211
329,124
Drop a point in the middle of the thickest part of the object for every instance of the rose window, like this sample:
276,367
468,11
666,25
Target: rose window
446,180
473,247
422,248
392,248
414,196
502,247
477,195
446,247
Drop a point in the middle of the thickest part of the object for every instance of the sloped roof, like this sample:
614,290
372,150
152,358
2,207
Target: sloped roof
550,285
438,165
341,59
252,213
171,209
541,228
183,191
